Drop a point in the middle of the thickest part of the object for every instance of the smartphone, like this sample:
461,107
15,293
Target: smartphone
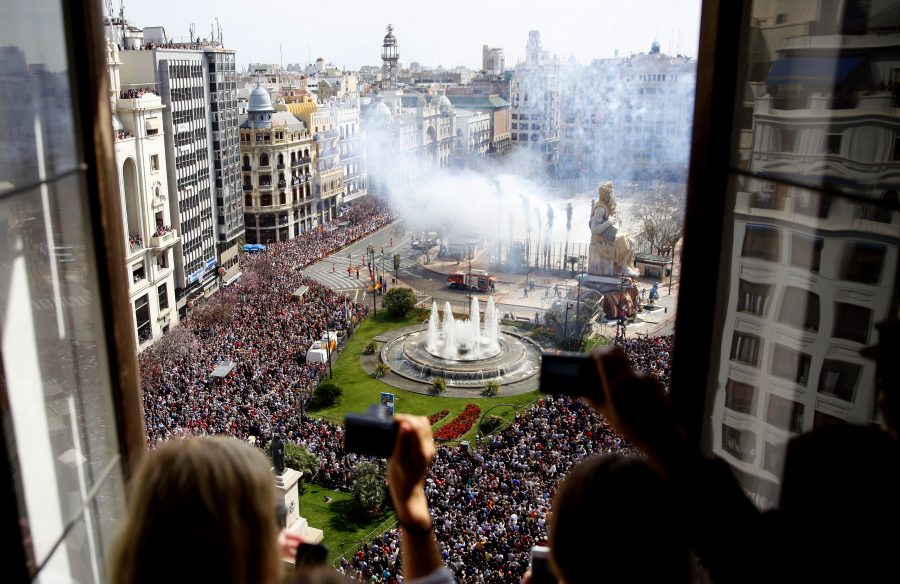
573,374
311,554
540,566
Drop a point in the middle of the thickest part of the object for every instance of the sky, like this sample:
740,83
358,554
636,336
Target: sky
349,33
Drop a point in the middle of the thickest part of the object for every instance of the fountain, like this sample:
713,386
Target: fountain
463,340
466,353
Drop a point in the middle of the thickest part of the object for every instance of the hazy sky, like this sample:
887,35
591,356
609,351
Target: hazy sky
349,33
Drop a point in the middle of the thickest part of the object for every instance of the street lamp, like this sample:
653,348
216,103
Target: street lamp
566,326
328,349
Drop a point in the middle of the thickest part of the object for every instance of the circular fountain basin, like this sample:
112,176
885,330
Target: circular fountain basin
517,359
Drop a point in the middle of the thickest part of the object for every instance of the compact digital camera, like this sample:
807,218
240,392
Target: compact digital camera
373,433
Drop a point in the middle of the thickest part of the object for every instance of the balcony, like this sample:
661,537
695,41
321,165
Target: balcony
282,184
135,243
280,166
163,237
248,188
246,168
265,188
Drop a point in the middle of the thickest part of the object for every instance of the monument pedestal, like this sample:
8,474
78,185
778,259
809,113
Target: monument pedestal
287,485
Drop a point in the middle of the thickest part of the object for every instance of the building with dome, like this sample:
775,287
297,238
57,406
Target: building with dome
277,171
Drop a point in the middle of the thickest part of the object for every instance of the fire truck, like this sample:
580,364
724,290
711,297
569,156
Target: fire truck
478,280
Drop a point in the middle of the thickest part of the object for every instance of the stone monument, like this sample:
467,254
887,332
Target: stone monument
610,254
287,484
610,259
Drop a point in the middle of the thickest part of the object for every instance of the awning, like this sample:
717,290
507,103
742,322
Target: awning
830,70
223,369
152,123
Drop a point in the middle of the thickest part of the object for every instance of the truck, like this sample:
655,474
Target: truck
478,280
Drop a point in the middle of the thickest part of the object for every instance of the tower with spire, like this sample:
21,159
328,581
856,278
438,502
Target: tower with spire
391,57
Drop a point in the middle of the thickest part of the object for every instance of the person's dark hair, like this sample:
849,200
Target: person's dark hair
614,521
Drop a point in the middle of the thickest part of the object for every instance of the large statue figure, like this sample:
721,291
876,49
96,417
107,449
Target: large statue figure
610,254
278,455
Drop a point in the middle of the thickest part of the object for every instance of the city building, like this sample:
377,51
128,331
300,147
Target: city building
492,61
473,138
140,153
390,56
276,164
497,109
628,118
535,98
197,84
810,272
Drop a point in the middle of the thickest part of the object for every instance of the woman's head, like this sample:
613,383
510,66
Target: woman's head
201,510
613,521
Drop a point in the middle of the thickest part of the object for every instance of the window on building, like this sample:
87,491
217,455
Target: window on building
863,262
838,379
740,397
761,241
773,459
822,420
852,322
142,318
265,200
800,308
832,144
789,140
162,292
264,160
753,297
745,348
785,413
806,251
791,364
740,444
154,162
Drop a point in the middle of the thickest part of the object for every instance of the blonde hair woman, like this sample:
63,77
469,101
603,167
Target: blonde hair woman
201,510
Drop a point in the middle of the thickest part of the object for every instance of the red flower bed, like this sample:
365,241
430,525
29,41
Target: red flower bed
435,418
458,425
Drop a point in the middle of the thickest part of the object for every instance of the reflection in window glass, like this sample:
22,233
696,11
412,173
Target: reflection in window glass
784,413
740,397
774,458
863,262
811,169
741,444
806,252
791,364
838,379
753,298
745,348
800,309
852,322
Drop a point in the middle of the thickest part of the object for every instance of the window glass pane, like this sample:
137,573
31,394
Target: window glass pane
812,232
36,116
62,421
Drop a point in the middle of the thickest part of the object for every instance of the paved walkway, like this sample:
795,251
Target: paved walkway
510,293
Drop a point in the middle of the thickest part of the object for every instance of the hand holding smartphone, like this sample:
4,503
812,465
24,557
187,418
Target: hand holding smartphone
541,573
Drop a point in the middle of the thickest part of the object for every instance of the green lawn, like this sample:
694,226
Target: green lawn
343,525
360,389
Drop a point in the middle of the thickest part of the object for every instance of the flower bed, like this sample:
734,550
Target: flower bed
458,425
435,418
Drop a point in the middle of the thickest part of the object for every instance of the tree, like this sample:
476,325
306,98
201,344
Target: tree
660,219
298,457
399,301
490,423
325,395
175,345
368,486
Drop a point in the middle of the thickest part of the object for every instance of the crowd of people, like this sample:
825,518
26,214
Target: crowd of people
265,331
490,505
136,92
